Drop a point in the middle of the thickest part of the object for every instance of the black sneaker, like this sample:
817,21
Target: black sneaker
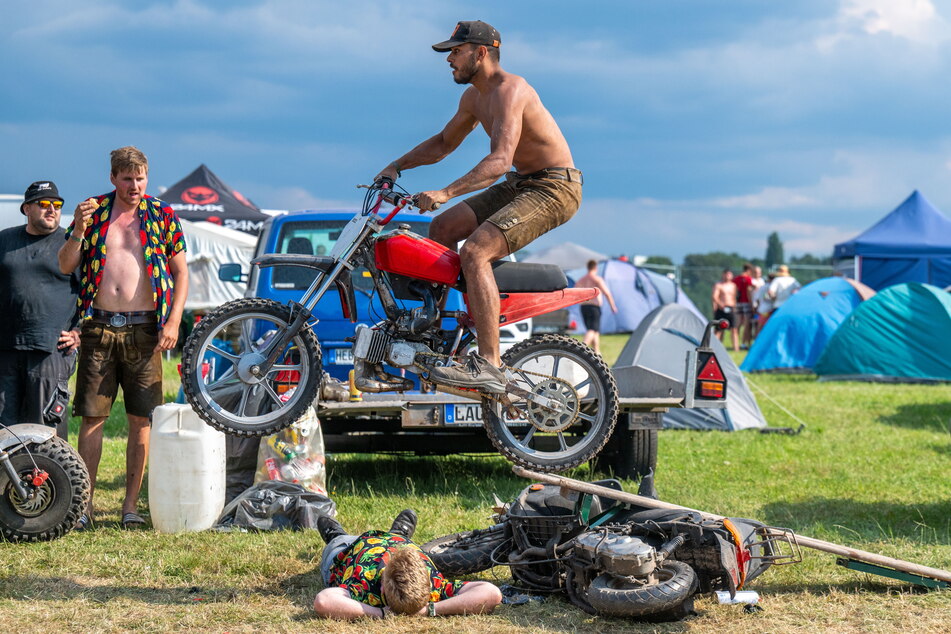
329,528
405,524
475,373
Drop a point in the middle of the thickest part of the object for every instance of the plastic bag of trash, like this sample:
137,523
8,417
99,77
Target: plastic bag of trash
274,505
295,455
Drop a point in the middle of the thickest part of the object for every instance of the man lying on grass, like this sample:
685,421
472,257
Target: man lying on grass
381,573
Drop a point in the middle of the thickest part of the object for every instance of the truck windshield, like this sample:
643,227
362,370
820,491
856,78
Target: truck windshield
317,237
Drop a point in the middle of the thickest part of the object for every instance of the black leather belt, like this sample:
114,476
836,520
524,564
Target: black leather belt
118,320
569,174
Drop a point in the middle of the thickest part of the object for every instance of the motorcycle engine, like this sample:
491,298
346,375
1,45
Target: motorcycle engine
620,554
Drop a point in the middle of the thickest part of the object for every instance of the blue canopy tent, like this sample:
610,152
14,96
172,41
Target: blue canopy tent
911,244
796,334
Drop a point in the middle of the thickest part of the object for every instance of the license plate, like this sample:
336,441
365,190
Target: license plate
343,356
470,415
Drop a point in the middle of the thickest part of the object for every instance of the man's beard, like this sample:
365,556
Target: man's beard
466,73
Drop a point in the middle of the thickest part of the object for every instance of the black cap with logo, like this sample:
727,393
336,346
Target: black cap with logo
473,32
40,190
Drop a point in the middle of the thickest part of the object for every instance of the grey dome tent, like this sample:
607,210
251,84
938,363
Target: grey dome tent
660,344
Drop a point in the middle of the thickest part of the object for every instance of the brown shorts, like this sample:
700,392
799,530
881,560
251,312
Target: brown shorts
525,207
110,357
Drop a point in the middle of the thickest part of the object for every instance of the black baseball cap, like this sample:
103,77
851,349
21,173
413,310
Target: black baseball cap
473,32
40,190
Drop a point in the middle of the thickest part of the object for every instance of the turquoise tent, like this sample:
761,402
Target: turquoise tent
903,334
797,333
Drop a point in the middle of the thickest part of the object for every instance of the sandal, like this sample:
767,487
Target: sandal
83,523
132,521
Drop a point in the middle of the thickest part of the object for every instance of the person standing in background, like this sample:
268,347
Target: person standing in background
591,309
38,343
724,305
131,306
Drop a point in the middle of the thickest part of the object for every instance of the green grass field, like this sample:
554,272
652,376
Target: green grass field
870,471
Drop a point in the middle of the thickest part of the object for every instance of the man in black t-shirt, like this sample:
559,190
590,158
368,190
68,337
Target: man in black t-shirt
38,307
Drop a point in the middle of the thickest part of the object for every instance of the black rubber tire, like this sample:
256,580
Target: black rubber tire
630,454
62,498
612,595
213,409
469,551
593,439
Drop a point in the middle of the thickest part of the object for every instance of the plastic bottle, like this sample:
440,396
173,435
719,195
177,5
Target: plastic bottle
742,596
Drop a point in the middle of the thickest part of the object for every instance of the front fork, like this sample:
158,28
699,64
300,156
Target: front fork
15,480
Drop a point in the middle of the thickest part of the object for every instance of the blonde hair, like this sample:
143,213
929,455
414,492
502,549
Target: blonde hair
129,159
406,581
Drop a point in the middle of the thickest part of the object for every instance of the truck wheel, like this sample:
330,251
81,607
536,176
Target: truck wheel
578,381
613,595
468,552
58,502
242,397
630,454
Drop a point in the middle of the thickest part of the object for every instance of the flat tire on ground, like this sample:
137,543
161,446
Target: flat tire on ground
469,551
613,595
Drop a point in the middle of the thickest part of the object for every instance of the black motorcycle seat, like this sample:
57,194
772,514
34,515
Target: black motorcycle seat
528,277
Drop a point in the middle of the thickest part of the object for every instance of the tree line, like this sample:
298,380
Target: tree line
700,271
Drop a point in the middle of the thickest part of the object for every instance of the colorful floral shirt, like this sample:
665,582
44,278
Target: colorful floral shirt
357,569
160,233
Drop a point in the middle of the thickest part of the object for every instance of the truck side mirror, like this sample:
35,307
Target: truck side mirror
231,272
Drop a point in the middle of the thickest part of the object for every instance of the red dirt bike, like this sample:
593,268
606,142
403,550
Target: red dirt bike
560,403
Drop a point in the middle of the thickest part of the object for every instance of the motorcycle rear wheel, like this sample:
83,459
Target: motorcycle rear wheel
241,400
613,595
594,399
469,551
59,501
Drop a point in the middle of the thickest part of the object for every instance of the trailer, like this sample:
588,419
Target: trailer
442,424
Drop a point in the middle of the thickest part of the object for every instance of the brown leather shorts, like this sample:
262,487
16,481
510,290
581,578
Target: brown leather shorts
524,207
111,356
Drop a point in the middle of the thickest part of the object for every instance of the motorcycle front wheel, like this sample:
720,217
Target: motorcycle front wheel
224,373
562,370
56,505
468,552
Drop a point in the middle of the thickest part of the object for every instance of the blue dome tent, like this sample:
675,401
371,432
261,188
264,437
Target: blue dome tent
797,333
911,244
903,334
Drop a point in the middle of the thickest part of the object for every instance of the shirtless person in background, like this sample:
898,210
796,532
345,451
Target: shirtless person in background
724,305
543,192
591,309
130,304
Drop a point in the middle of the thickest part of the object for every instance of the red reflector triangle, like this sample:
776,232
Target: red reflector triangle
711,370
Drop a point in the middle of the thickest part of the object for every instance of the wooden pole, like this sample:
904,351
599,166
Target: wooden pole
808,542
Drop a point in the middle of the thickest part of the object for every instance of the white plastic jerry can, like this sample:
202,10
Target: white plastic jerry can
186,470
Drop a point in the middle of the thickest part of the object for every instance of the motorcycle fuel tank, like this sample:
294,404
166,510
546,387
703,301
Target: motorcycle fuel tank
406,253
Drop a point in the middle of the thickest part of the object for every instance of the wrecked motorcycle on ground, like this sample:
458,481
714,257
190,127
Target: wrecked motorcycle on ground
560,402
613,559
44,484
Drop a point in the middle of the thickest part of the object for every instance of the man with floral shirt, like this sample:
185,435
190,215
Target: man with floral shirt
380,573
133,285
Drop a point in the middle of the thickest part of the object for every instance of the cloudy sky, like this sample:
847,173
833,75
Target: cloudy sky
699,125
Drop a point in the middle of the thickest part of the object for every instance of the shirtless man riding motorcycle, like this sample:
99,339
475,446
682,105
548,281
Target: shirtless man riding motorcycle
543,191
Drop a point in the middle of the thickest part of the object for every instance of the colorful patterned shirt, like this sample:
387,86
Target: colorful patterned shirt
160,233
357,569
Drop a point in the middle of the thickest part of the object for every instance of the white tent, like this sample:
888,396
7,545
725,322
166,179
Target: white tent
208,247
566,255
